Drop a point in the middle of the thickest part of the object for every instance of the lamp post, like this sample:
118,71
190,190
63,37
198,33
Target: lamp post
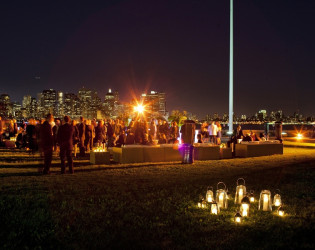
231,72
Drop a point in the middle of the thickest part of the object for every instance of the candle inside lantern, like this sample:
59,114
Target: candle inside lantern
199,204
277,203
210,198
245,209
214,210
221,196
238,217
265,202
252,199
281,213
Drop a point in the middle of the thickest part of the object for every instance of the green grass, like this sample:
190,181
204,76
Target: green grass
153,205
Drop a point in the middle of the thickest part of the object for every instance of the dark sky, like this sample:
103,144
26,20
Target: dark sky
179,47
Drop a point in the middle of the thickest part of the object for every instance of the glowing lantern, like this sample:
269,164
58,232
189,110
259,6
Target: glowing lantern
202,204
240,191
265,201
214,208
245,206
221,196
228,194
209,195
280,211
238,217
251,196
277,200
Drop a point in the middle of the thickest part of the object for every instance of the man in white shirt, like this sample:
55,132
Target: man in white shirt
213,131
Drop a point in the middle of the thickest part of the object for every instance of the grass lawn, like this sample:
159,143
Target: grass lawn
153,205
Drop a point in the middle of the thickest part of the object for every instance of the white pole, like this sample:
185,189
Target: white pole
231,71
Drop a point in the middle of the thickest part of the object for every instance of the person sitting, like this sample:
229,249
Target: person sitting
254,136
247,137
162,139
262,137
121,140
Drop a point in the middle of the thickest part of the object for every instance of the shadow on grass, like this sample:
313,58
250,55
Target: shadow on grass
79,168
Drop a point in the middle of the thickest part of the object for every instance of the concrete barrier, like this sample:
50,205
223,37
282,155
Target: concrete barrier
258,149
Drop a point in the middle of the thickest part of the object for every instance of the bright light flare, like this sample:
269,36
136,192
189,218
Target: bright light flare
139,108
299,136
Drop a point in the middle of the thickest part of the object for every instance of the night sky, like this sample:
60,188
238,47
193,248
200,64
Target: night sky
179,47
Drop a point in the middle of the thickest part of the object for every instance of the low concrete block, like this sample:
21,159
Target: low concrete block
226,153
204,153
253,150
153,154
128,154
99,157
171,152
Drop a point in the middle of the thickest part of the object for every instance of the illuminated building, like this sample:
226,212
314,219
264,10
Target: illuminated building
48,102
155,103
111,104
72,105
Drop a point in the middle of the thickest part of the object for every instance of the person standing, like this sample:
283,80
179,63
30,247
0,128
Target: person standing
100,134
213,130
188,136
82,136
174,132
88,136
47,142
65,140
76,138
55,133
1,131
219,132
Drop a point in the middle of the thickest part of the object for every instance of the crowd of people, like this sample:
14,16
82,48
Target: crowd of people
105,133
76,138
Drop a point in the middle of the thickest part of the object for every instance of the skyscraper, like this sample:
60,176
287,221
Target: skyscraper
155,103
48,102
111,103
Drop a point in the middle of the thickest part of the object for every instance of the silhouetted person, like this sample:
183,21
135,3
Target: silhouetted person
65,140
47,142
188,137
82,136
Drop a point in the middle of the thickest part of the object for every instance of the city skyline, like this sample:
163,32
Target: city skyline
87,103
180,48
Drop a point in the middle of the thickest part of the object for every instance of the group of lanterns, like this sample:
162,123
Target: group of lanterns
242,198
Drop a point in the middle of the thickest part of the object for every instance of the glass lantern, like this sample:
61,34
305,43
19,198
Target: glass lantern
240,191
202,203
238,217
265,201
277,199
280,211
245,206
221,196
251,196
214,208
209,195
228,194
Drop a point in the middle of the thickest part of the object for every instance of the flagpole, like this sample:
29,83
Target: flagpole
231,71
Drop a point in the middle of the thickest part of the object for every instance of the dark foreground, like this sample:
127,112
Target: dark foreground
153,205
